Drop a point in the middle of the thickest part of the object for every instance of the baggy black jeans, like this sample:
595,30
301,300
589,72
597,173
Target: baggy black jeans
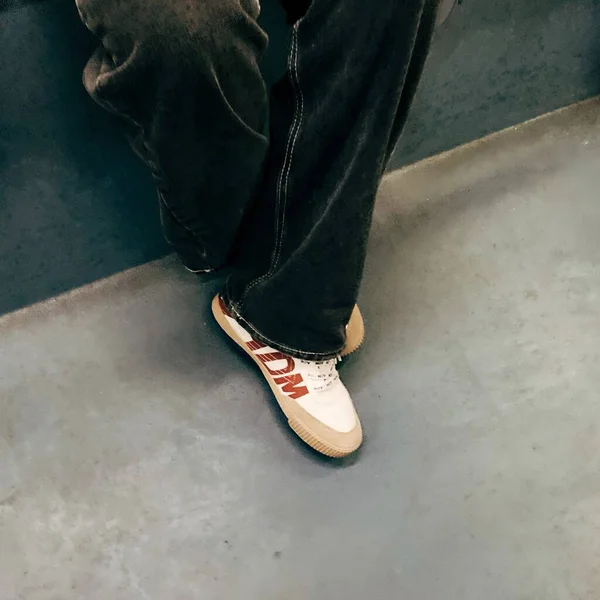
290,212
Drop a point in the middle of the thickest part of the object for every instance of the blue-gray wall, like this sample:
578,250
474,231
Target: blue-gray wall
76,206
496,63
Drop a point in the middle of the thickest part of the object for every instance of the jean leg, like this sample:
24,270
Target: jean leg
352,70
184,75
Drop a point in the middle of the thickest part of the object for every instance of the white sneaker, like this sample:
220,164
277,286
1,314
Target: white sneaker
310,393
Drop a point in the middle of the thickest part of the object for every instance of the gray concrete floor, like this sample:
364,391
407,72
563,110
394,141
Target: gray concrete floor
142,458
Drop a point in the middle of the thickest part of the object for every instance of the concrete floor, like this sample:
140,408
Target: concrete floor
142,458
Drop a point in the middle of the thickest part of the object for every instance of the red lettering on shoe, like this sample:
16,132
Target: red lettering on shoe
267,357
291,385
255,345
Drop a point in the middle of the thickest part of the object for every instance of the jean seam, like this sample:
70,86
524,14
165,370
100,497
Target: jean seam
159,176
195,235
116,110
282,189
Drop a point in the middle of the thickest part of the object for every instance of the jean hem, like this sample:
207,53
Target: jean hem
234,311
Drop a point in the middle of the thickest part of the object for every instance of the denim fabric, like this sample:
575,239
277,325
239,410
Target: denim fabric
290,214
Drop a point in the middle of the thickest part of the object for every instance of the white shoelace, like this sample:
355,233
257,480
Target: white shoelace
324,373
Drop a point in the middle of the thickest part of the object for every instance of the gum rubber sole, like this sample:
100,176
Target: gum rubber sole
289,407
355,333
315,443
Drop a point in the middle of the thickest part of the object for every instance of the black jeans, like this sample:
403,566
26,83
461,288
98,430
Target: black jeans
291,213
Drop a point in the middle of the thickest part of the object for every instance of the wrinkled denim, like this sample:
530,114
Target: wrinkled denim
290,213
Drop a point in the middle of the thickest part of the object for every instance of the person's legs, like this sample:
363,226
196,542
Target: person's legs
352,71
184,74
335,119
